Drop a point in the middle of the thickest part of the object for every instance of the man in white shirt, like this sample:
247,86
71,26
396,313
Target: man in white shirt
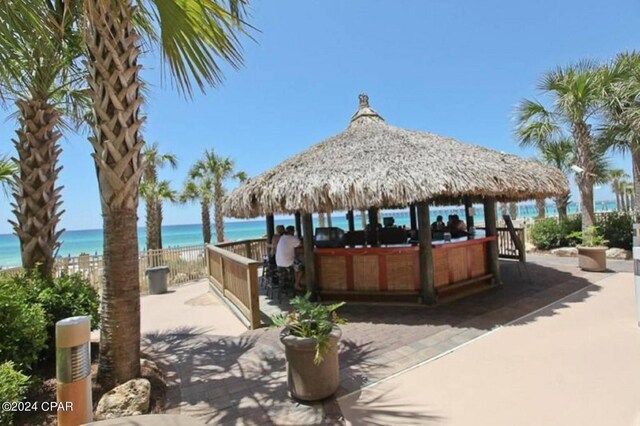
286,249
285,258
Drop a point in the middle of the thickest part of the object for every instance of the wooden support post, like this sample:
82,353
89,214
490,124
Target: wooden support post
427,287
491,230
372,235
363,219
350,221
270,228
298,225
309,257
412,217
467,212
329,221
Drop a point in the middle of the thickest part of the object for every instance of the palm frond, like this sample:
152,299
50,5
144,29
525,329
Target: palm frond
195,34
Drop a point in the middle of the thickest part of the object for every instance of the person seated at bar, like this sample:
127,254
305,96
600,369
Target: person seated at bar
298,261
274,243
285,257
458,228
438,225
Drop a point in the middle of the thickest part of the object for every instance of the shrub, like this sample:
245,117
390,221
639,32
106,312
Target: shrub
547,234
570,226
22,324
65,296
13,386
617,228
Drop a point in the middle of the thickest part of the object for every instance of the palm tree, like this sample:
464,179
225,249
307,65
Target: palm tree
541,207
199,189
8,170
625,187
156,192
194,35
40,73
576,93
615,179
621,131
217,169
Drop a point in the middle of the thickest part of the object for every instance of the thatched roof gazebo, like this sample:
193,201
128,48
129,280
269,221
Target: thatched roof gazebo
373,165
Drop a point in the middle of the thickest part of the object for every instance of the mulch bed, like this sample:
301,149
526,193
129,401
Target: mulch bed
46,391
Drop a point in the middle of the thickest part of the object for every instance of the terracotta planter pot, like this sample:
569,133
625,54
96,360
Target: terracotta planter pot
308,381
592,259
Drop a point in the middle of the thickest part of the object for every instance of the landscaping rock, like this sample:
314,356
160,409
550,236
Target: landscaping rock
128,399
618,253
530,248
565,252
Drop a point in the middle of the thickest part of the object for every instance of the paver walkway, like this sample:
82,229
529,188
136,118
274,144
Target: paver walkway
242,379
574,363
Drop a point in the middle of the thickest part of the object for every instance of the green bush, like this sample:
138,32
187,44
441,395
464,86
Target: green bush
617,229
13,386
22,324
547,234
67,296
63,297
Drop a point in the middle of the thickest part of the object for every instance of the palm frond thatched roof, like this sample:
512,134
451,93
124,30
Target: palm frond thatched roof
373,164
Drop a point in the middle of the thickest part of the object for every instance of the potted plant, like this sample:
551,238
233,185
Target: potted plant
310,337
592,253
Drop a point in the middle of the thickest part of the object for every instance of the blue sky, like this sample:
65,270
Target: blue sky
453,68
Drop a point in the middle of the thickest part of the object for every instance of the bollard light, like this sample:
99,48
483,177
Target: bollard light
73,371
636,266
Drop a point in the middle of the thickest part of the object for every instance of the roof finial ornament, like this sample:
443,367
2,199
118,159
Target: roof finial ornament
364,100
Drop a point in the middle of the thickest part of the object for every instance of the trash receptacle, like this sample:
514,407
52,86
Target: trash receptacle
157,279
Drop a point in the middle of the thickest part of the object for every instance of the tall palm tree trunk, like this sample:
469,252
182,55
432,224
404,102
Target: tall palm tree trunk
112,45
618,207
584,179
159,223
540,206
561,205
37,197
218,218
152,225
635,162
206,221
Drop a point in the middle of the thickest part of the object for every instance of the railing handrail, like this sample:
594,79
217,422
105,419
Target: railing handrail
233,256
238,242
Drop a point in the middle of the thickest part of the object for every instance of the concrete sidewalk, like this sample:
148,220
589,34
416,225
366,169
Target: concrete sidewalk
576,362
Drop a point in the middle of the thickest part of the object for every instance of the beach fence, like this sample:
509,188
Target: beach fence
185,264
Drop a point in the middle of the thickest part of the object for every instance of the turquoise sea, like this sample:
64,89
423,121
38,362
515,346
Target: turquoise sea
90,240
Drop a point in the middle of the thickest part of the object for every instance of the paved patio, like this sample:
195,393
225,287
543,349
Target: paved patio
240,377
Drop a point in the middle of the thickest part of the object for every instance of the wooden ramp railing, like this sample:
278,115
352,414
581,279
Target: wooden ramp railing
254,249
235,278
507,247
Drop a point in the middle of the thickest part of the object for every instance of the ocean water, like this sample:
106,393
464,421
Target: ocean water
91,240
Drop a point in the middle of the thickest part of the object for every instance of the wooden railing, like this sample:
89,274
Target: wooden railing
506,246
235,278
185,264
254,249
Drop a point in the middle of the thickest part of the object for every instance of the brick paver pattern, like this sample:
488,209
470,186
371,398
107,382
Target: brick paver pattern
242,380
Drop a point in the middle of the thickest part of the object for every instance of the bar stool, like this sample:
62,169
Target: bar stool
286,278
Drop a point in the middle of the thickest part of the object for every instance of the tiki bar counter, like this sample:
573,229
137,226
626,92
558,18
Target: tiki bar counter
373,166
